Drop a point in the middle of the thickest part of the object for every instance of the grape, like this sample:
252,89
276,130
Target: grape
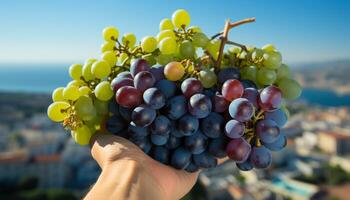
128,97
143,143
115,124
85,108
110,57
213,48
210,92
283,72
138,65
175,107
82,135
164,59
220,104
188,125
266,76
194,29
199,106
143,116
71,93
123,58
120,81
234,129
57,111
166,24
154,98
174,71
144,80
84,90
228,73
149,44
260,157
245,166
180,158
196,143
87,69
270,98
252,95
238,150
137,131
212,126
75,71
187,49
101,69
125,113
161,154
164,34
57,94
217,147
249,72
232,89
129,39
108,46
205,160
168,45
158,72
168,88
77,83
290,88
200,40
174,131
113,108
173,142
161,125
159,140
190,87
103,91
257,54
180,18
125,74
241,109
267,130
279,116
269,48
272,60
277,145
208,78
101,107
192,167
248,84
110,33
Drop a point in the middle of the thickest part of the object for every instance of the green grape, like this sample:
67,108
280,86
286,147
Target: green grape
234,50
290,88
187,49
213,48
87,69
151,60
249,72
84,90
101,107
103,91
71,92
269,48
129,39
272,60
75,71
166,33
257,54
96,121
82,135
200,40
122,57
164,59
166,24
77,83
85,108
57,94
243,55
195,29
101,69
110,57
266,76
107,46
283,72
149,44
181,18
57,111
168,46
110,33
208,78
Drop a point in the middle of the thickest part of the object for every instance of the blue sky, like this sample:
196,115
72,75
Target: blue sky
68,31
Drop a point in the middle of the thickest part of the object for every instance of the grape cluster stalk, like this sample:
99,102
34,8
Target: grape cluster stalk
181,96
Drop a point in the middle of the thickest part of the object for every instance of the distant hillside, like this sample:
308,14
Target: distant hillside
333,75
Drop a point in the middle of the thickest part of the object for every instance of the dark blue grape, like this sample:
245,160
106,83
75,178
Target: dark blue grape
138,65
192,167
277,145
234,129
167,87
123,133
248,84
158,72
228,73
125,74
210,92
175,107
143,116
260,157
173,142
115,124
252,95
205,160
241,109
245,166
217,147
279,116
161,154
144,143
125,113
174,131
212,126
180,158
161,125
267,130
137,131
154,98
113,108
199,106
159,140
188,125
196,143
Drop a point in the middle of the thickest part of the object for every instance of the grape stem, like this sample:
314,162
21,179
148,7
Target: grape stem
237,44
224,38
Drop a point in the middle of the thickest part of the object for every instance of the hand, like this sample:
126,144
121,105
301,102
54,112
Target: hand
128,173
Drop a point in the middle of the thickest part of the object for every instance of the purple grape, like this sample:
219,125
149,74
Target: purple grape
228,73
279,116
188,125
119,82
154,98
175,107
234,129
241,109
220,104
238,150
144,80
267,130
252,95
277,145
196,143
270,98
190,87
158,72
138,65
125,74
143,116
212,126
260,157
205,160
199,106
180,158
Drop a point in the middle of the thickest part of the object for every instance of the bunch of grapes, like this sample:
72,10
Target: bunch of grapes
181,97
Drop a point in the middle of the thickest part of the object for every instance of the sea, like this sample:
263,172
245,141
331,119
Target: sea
44,78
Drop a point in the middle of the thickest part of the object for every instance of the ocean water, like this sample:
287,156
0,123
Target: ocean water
44,78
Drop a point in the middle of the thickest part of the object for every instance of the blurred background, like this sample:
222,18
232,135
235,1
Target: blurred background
40,39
